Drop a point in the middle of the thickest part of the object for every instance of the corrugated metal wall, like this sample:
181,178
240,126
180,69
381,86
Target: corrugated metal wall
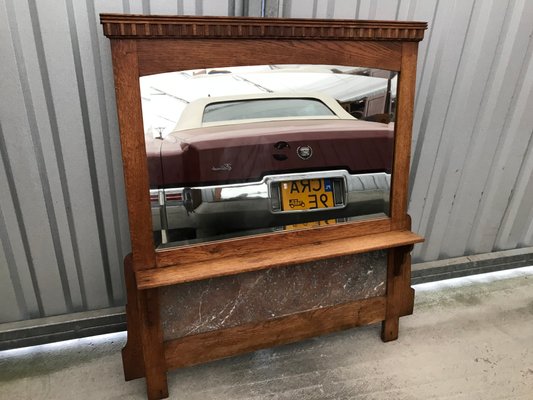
63,227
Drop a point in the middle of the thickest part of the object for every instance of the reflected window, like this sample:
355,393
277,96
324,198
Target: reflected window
264,109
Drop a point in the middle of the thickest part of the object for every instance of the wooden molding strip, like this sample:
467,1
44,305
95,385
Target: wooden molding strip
269,242
253,261
120,26
218,344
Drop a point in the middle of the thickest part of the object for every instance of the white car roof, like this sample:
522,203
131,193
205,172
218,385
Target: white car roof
192,116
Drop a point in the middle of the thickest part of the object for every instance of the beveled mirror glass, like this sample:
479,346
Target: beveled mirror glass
237,151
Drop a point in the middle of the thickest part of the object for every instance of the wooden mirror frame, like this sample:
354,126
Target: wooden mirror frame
145,45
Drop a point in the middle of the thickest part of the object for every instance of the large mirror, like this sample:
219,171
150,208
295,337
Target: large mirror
235,151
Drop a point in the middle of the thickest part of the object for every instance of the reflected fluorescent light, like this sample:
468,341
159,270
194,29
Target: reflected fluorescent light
245,192
64,345
474,279
121,336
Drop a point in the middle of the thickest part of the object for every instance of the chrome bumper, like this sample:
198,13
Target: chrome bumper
213,209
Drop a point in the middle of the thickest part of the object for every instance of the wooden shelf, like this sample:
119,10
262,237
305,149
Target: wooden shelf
239,263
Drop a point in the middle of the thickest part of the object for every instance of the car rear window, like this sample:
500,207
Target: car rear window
264,108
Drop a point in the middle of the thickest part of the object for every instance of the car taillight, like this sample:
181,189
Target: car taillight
155,196
174,197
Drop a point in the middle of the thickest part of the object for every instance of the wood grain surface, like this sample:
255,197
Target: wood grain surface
253,261
134,160
276,242
119,26
402,136
167,55
208,346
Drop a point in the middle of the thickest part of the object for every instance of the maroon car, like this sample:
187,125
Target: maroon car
246,164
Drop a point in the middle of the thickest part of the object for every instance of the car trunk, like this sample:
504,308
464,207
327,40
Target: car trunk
248,152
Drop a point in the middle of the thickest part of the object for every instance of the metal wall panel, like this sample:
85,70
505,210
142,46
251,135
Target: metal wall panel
63,225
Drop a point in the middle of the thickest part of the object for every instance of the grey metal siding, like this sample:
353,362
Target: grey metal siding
63,224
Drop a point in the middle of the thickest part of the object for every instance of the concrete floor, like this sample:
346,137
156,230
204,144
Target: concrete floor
468,339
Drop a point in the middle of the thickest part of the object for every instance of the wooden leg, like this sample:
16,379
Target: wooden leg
400,295
389,329
132,357
143,355
152,344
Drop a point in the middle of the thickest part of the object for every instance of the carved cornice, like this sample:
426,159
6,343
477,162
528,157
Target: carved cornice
121,26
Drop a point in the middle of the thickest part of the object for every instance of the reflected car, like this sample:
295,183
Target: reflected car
263,162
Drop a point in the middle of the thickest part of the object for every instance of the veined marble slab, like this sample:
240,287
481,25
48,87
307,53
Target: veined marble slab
228,301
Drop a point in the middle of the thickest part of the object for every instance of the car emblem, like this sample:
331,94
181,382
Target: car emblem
304,152
223,167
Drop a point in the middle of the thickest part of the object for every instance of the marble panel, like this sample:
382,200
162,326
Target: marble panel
225,302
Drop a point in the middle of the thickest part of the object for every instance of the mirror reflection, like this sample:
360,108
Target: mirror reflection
245,150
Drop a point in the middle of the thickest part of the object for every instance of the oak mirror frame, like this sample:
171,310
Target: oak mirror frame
146,45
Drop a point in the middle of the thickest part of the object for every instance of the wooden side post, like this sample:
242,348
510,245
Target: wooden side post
132,356
143,355
129,111
152,344
402,136
400,295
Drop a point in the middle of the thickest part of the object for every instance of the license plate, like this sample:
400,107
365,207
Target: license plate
312,224
306,194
